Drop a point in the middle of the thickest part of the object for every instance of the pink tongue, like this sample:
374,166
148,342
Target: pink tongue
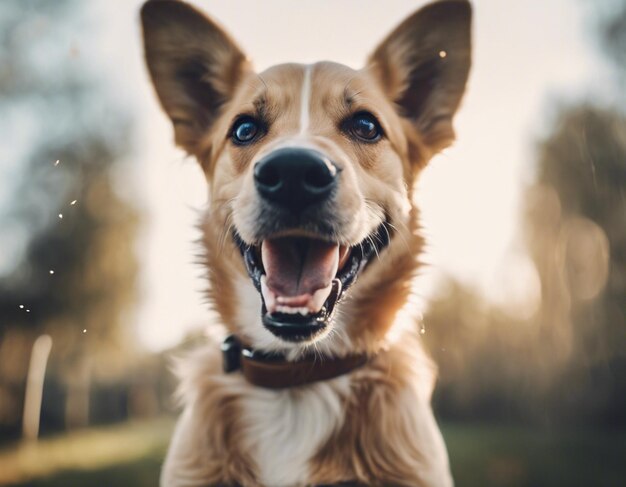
297,266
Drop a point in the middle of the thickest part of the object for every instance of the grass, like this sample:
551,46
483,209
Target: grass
130,455
499,456
126,455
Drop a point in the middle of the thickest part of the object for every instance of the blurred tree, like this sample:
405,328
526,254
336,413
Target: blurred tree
577,235
612,32
482,355
68,258
568,362
580,253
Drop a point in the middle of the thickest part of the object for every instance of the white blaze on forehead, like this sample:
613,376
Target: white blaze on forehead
305,99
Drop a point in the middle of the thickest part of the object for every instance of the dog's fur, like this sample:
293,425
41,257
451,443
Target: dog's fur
373,426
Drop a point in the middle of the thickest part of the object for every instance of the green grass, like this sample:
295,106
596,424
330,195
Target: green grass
499,456
126,455
130,455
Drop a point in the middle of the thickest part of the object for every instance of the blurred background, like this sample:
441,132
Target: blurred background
524,292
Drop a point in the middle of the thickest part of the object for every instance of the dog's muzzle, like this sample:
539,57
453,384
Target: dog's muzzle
297,262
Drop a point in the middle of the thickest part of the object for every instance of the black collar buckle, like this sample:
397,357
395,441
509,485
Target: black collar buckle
231,354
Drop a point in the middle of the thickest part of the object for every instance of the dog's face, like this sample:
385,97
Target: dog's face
311,226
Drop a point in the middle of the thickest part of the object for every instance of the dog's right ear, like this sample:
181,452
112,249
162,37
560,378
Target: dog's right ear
194,65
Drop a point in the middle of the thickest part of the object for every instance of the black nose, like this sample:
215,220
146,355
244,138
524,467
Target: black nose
295,178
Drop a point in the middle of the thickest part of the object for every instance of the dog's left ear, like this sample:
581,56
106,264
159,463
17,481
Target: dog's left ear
195,67
423,67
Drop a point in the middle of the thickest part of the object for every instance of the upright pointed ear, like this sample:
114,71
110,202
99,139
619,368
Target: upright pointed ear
423,66
194,66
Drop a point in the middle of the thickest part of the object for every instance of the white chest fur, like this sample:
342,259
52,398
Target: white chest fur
285,429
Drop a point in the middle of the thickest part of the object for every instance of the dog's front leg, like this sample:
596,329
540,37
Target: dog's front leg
192,462
185,465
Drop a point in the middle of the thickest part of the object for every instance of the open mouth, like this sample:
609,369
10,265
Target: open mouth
301,279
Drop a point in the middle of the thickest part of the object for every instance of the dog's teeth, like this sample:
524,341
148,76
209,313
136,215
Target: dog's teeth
268,296
292,310
319,298
339,285
304,304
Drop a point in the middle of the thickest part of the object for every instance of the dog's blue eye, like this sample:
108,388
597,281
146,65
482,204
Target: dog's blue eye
245,130
365,126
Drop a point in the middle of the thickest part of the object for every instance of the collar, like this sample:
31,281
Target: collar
273,371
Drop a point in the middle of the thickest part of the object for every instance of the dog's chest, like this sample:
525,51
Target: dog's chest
285,429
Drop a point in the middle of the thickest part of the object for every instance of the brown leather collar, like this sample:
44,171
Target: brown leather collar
275,372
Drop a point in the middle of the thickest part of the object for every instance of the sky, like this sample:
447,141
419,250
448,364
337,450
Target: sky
528,57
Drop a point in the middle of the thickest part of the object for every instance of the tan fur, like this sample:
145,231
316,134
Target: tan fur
384,432
208,452
376,444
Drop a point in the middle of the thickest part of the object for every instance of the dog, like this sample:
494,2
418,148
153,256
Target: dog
312,243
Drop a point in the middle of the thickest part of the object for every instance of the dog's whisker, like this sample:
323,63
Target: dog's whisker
223,233
224,237
219,204
262,80
340,335
361,246
374,246
317,353
229,225
348,95
397,232
386,231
